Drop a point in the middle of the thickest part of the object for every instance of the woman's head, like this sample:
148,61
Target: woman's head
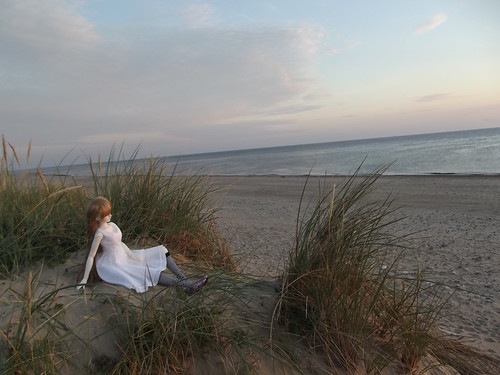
98,208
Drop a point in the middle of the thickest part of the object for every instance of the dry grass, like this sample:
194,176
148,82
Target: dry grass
342,289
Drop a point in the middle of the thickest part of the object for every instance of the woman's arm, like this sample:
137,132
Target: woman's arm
90,259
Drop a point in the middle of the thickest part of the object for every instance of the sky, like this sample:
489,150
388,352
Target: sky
176,77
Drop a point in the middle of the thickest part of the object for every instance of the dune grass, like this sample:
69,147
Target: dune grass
40,218
36,340
343,292
175,333
151,206
164,331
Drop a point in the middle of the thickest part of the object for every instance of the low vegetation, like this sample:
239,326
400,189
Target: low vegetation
39,219
341,290
42,217
153,207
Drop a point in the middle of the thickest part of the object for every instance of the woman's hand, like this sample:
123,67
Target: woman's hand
81,284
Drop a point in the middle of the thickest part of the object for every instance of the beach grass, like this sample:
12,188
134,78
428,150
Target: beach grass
212,331
153,207
164,331
343,291
40,217
36,340
42,220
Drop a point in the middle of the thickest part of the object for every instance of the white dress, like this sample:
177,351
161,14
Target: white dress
114,265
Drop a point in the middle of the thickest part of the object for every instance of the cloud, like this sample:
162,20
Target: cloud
44,26
309,38
291,109
63,74
435,97
347,45
431,24
129,137
198,15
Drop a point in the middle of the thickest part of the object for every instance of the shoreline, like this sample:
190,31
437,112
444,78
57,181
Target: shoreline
217,175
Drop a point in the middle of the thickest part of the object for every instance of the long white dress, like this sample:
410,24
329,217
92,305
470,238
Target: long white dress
114,265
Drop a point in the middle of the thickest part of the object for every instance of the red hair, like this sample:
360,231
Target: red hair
98,208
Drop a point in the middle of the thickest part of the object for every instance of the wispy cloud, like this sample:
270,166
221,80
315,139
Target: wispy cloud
431,24
348,45
434,97
309,38
290,109
51,24
198,15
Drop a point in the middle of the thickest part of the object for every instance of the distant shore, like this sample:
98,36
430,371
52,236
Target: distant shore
456,218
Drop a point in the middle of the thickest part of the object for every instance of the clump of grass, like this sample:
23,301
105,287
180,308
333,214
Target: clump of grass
174,210
342,290
42,218
39,217
164,336
173,333
36,340
463,358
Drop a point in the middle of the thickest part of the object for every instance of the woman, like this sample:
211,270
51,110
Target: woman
115,263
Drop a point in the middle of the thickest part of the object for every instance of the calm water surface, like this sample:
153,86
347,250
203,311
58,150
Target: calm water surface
460,152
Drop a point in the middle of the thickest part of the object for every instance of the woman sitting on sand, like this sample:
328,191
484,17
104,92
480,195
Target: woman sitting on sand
109,259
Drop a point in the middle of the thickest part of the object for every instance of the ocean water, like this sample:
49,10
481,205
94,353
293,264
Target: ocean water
459,152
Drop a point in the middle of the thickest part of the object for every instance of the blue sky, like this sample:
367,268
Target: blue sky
180,77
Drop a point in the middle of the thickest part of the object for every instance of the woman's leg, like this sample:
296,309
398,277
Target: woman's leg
167,280
172,266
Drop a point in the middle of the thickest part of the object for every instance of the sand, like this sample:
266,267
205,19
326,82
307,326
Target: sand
457,217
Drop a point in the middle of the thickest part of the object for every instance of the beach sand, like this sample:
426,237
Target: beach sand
457,219
456,240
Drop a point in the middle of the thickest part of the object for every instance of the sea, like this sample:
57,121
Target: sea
459,152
